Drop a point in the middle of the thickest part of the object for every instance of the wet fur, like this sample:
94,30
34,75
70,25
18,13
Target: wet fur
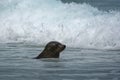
52,50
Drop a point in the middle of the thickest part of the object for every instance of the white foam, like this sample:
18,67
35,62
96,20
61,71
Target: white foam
77,25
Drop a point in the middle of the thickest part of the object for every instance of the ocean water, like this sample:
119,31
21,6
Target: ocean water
89,29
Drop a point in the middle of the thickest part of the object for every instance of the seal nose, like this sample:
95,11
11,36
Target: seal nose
64,46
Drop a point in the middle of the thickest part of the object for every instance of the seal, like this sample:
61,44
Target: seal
52,50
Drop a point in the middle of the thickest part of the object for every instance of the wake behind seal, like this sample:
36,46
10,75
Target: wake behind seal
52,50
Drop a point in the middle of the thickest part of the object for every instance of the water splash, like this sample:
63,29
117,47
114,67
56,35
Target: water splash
40,21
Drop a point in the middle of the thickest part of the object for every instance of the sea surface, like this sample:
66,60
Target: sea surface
89,29
16,63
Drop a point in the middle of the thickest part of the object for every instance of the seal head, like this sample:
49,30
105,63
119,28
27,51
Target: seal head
52,50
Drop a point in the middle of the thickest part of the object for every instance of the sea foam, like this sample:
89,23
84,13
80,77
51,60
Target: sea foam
41,21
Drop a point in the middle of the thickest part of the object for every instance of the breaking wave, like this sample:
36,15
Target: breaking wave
40,21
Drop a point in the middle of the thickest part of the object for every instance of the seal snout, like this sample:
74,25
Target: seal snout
63,46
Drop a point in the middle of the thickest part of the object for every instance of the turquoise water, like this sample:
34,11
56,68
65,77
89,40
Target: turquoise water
90,29
16,63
